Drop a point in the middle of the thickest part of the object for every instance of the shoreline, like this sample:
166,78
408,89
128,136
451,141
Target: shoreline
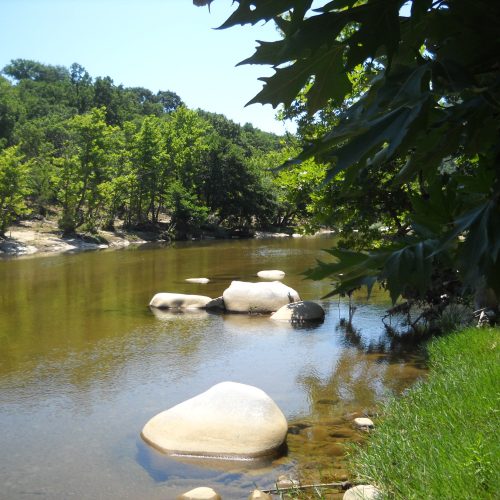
43,237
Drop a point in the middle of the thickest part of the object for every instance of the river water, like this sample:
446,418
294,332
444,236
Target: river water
84,364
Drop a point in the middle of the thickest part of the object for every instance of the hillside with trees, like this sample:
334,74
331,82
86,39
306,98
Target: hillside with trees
93,154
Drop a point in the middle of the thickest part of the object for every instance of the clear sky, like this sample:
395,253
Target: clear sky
157,44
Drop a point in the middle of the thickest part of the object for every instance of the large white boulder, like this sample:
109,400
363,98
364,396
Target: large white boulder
300,312
230,420
166,300
271,274
261,297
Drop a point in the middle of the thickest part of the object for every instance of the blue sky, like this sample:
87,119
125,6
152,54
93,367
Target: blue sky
157,44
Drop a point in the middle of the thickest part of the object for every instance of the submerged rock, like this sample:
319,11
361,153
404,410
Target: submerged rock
229,420
273,274
202,493
167,300
300,312
259,495
260,297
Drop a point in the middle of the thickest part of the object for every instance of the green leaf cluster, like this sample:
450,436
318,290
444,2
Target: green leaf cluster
400,100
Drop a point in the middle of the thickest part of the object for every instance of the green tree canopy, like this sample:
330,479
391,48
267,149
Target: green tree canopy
426,119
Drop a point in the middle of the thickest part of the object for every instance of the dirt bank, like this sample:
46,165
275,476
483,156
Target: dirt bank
43,237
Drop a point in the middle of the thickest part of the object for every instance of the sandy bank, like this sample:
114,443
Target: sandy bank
43,237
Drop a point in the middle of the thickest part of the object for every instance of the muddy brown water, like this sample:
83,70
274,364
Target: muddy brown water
84,364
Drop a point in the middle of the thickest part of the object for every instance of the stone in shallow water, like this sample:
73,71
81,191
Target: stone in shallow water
262,297
167,300
198,280
362,492
300,312
202,493
230,420
363,423
259,495
271,274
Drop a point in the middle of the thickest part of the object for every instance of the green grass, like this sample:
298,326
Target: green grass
441,440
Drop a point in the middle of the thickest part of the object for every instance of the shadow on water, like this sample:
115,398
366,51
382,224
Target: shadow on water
161,466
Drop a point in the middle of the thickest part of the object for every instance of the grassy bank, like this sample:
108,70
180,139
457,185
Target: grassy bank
441,439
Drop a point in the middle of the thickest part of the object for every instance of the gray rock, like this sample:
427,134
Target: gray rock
300,312
216,305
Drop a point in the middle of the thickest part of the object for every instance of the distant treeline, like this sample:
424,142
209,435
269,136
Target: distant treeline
94,152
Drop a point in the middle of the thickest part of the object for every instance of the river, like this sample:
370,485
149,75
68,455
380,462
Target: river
84,364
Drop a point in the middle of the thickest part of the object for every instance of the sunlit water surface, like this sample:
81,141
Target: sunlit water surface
84,364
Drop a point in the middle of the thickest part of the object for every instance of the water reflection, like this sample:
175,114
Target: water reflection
84,364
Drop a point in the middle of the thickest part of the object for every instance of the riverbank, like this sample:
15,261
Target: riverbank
440,440
42,236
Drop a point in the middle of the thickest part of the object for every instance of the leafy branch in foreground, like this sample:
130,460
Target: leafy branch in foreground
430,104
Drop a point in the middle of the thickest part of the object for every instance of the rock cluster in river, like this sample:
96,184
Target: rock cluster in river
241,297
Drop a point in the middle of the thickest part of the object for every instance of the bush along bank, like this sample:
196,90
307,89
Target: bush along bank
440,440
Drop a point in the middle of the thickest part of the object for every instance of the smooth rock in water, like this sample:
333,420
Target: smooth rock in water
260,297
362,492
300,312
230,420
259,495
197,280
202,493
179,301
273,274
363,423
216,305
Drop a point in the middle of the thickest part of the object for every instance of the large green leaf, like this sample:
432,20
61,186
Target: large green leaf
330,81
254,11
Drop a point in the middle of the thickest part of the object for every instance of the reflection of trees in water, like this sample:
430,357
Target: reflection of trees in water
165,347
367,370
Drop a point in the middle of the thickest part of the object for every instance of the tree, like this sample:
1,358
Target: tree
13,187
84,165
150,170
83,93
26,69
428,119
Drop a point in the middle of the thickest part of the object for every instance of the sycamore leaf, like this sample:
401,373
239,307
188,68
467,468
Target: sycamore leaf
253,11
330,80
